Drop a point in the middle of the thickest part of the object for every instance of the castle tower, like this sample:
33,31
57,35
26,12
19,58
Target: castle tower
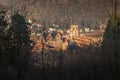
74,32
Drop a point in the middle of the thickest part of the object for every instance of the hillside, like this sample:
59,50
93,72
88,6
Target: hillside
88,13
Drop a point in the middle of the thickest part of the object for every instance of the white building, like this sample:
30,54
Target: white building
87,29
74,31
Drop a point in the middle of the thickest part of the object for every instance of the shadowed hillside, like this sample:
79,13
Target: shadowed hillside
64,12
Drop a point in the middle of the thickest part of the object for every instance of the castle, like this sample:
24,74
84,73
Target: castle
55,40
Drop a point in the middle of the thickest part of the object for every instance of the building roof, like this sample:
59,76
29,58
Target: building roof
54,34
45,34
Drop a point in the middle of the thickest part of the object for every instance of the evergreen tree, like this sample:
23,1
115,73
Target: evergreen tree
18,45
3,25
111,44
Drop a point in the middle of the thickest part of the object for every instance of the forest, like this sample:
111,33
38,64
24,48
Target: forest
64,12
17,62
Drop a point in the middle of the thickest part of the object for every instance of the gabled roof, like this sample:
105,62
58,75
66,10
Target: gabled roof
46,34
55,33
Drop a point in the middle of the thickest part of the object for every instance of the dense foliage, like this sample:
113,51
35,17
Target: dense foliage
17,62
14,45
111,43
64,12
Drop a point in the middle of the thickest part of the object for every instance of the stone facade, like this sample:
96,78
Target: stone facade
74,31
50,40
